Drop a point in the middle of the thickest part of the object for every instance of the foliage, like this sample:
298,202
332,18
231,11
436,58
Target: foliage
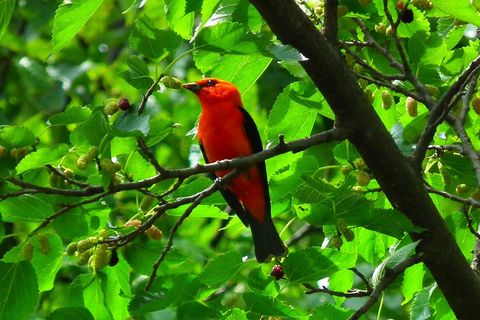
73,170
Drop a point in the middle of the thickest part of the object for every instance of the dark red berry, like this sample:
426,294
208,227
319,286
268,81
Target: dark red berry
406,15
277,272
400,5
123,104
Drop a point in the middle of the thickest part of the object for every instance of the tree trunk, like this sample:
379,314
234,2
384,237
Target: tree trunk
403,187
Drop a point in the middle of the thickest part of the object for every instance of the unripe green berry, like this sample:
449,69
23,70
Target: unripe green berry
411,106
349,235
83,257
171,82
28,251
82,162
363,178
71,248
360,164
68,173
100,258
84,245
109,166
54,180
461,188
110,108
146,203
44,244
387,100
346,169
3,151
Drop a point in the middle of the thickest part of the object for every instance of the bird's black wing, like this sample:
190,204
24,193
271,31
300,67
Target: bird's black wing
254,137
229,197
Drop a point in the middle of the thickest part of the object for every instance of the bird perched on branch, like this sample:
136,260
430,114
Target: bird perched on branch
227,131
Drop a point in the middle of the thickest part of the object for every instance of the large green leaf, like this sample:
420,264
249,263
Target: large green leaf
70,18
25,208
308,265
265,306
47,259
19,293
460,9
94,295
41,157
6,11
330,312
16,137
71,115
151,42
180,22
221,268
71,313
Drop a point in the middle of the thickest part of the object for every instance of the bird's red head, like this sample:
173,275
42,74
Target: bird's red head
211,91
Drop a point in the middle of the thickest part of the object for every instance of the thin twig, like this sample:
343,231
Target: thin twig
149,154
364,279
467,201
471,88
64,210
469,220
388,278
441,109
214,187
353,293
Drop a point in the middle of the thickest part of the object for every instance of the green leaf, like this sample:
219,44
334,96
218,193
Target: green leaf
201,211
221,268
330,312
19,292
259,305
131,124
462,10
290,118
193,5
71,313
47,265
398,256
308,265
178,20
92,132
16,137
138,167
160,128
6,11
151,42
71,115
235,314
25,208
262,283
41,157
117,290
420,309
94,296
412,281
70,18
285,53
138,75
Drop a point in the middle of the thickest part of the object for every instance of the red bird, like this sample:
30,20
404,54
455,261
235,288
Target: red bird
227,131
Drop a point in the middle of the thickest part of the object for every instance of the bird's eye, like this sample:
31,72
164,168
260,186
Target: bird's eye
210,83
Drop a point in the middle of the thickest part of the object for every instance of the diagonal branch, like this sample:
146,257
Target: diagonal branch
218,183
441,109
387,279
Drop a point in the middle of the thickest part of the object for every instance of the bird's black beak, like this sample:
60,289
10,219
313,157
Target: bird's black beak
194,87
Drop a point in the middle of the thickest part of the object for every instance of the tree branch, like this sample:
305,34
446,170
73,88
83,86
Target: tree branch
331,23
388,278
198,198
440,111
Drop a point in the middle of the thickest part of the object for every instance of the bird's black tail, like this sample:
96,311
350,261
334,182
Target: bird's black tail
266,240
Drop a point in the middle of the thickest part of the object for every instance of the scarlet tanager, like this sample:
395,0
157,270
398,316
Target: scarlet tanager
227,131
